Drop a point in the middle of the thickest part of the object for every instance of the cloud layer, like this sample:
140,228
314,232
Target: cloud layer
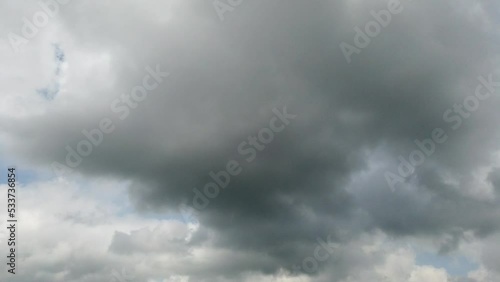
322,176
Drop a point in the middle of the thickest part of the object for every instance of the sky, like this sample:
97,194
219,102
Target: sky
238,140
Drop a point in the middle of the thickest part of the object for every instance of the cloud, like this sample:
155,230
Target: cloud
322,175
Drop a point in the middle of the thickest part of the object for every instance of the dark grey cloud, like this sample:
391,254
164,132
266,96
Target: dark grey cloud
316,177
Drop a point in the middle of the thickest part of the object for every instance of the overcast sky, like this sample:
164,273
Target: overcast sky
252,140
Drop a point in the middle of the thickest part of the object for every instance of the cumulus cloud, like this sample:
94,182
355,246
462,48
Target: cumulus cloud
321,175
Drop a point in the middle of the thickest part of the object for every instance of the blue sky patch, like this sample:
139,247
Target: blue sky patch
454,265
50,91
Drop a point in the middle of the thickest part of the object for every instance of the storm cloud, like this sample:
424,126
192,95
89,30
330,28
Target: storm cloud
321,177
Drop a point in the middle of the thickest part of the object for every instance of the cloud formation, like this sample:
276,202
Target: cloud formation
322,176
